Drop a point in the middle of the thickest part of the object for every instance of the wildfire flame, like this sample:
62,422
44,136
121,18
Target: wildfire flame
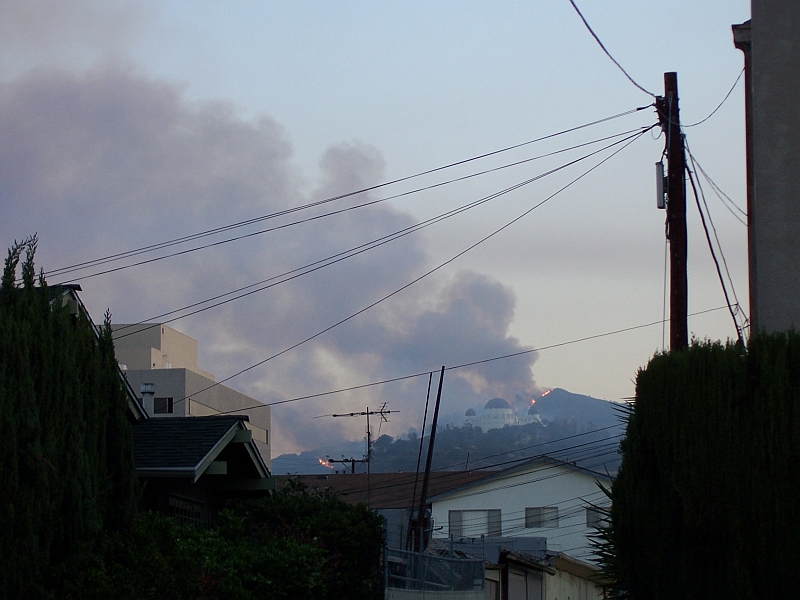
547,392
533,401
324,463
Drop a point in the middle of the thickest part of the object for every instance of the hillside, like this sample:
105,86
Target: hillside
574,427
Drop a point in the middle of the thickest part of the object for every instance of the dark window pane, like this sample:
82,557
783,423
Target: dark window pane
162,406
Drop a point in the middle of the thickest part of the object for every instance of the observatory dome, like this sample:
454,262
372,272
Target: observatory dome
497,403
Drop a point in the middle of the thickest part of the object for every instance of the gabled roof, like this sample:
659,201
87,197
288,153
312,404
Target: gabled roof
521,468
186,447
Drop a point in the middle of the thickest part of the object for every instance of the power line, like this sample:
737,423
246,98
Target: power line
714,230
614,60
425,373
434,269
349,208
448,468
718,191
213,231
730,91
338,257
714,256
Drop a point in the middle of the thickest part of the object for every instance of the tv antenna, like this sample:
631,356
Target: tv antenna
383,413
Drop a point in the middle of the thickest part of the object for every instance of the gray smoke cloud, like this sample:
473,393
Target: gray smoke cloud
37,32
107,159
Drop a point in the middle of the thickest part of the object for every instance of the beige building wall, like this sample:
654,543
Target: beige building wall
193,396
158,354
156,346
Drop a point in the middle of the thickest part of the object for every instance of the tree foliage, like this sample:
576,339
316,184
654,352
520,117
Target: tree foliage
703,506
67,475
292,545
68,490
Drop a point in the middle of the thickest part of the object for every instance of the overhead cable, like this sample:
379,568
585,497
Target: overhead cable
714,257
351,208
434,269
216,230
730,91
354,251
602,46
726,200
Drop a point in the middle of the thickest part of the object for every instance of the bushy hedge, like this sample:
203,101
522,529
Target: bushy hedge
705,500
293,545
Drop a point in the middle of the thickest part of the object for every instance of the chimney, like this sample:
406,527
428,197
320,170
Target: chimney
148,390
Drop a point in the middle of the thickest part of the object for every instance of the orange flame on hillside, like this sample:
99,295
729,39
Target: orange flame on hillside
324,463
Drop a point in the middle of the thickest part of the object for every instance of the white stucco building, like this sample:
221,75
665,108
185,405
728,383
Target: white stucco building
543,497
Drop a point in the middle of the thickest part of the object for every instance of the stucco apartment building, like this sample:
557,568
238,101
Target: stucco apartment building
770,42
157,354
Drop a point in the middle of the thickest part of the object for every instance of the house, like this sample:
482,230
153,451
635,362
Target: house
521,576
542,497
395,496
157,354
190,466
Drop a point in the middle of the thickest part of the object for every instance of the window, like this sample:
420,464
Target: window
596,517
474,523
162,406
541,517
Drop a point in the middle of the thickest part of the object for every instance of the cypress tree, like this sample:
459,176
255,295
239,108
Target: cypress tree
67,475
702,505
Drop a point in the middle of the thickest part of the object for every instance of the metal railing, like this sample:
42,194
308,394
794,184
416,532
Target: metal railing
431,572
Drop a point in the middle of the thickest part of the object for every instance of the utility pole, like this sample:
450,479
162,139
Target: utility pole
669,119
368,456
345,460
423,497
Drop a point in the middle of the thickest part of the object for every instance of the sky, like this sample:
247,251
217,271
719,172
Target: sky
129,123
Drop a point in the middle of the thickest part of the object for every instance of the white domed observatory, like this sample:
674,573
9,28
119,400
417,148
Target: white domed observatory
496,414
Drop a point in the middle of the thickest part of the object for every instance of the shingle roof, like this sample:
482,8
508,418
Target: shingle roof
387,490
178,444
522,467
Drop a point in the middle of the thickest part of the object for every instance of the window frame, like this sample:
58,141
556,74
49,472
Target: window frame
541,517
492,517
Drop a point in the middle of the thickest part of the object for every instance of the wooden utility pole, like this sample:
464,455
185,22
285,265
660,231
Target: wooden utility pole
669,118
423,497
